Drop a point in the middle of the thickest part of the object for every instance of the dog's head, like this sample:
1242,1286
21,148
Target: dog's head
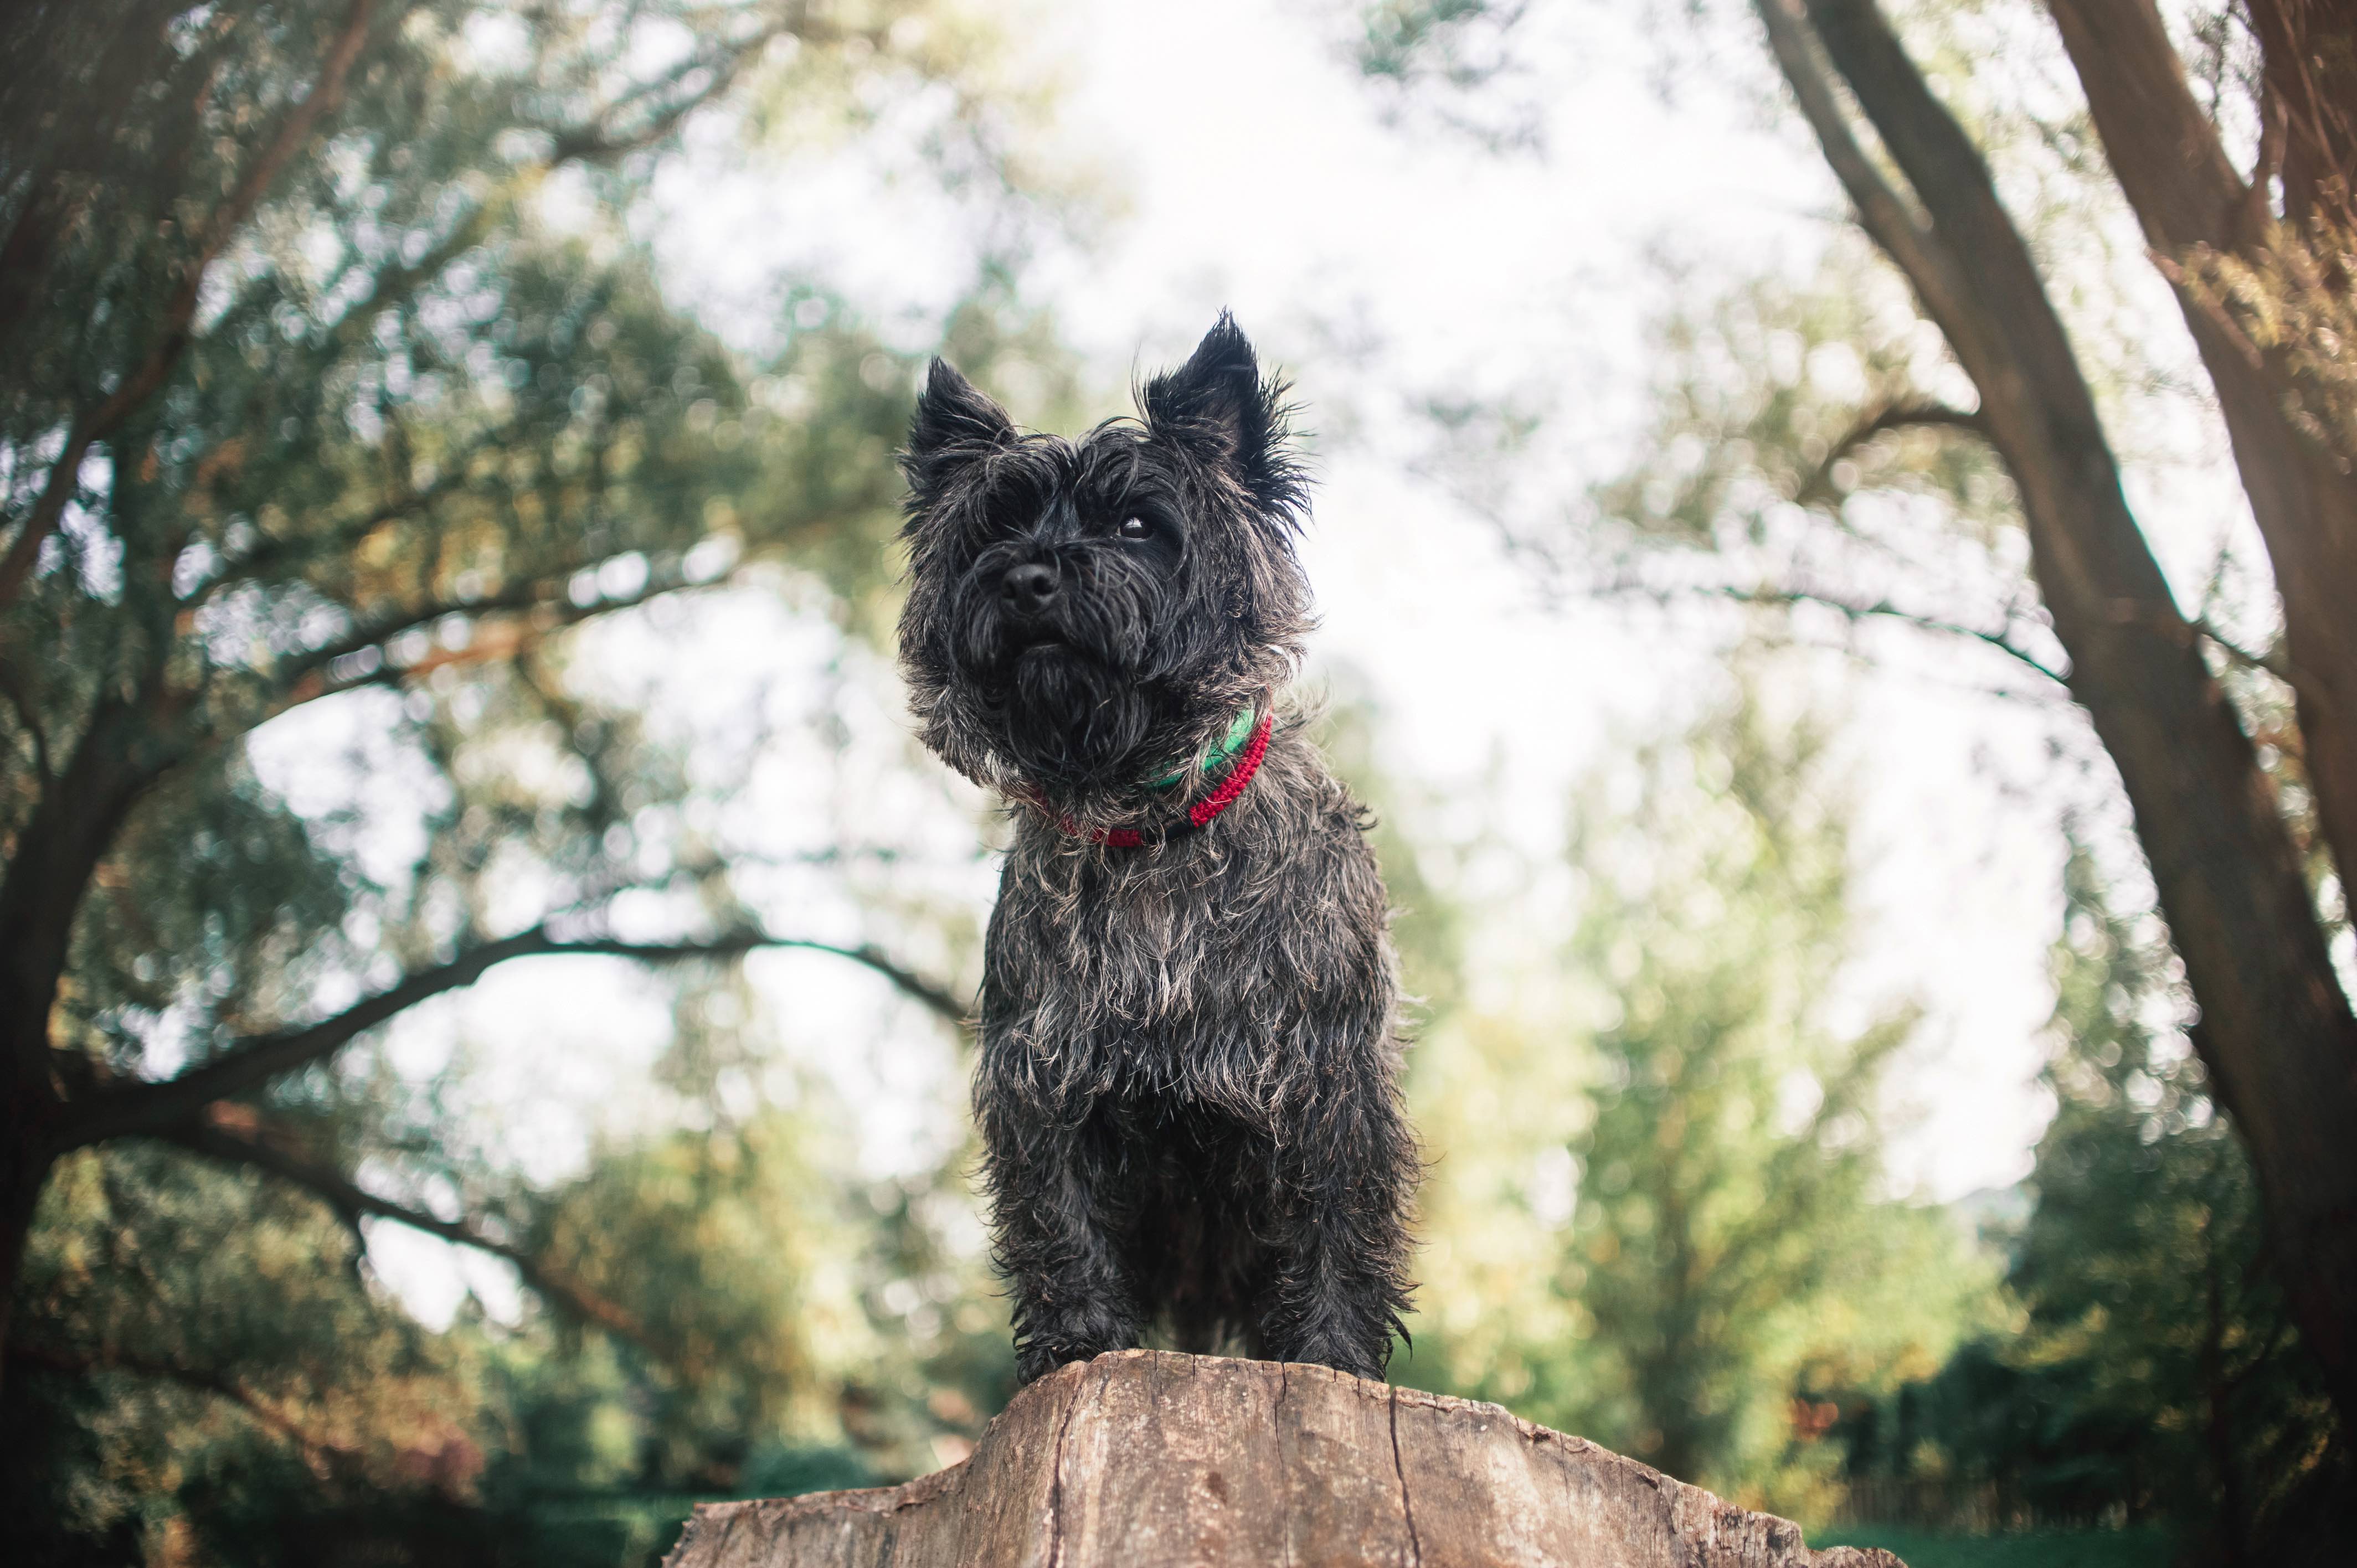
1085,614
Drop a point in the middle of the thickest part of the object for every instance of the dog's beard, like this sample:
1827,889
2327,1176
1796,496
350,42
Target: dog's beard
1081,696
1074,721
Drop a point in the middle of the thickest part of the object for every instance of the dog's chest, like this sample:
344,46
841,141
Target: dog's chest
1158,948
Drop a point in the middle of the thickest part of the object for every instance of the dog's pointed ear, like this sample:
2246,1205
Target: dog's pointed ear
1216,405
955,423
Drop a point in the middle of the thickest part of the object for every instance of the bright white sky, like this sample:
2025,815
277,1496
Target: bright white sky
1260,175
1376,263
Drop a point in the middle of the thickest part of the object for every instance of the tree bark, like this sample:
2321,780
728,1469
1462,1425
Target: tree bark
2309,55
1146,1459
2175,173
58,848
2275,1033
25,1162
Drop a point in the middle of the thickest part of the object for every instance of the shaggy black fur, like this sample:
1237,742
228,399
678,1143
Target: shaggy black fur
1187,1082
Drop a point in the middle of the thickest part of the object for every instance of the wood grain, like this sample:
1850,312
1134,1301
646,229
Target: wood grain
1146,1459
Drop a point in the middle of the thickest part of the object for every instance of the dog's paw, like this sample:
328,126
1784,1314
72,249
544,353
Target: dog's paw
1033,1362
1343,1358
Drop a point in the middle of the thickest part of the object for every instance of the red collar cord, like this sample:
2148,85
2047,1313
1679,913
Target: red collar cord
1197,815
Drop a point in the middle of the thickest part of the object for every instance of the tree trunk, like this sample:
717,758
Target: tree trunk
1146,1459
2275,1031
57,851
23,1170
2169,162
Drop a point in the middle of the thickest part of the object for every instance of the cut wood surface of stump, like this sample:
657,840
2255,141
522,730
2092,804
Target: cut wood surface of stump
1146,1459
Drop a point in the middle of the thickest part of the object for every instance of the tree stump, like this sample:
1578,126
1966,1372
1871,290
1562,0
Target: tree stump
1146,1459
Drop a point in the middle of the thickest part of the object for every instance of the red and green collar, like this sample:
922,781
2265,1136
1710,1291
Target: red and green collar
1234,760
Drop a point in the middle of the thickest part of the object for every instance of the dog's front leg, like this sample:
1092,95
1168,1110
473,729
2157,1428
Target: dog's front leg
1343,1169
1053,1188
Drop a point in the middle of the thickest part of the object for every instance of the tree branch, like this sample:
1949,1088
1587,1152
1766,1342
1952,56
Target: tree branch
1892,416
1995,313
1883,609
538,606
65,473
2232,881
594,141
1930,266
2265,350
318,1449
279,550
2179,182
2200,629
598,141
155,1106
526,617
541,595
216,1141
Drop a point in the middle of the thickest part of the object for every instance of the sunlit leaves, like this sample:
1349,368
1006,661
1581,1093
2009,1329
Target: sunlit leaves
437,414
2155,1369
1666,1176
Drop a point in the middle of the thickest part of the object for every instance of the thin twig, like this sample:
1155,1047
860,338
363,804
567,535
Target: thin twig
1854,610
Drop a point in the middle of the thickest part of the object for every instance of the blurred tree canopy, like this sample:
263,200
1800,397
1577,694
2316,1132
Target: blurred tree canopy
1664,1197
342,403
1962,470
2157,1373
362,495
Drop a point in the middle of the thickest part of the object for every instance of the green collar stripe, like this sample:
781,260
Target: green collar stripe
1220,757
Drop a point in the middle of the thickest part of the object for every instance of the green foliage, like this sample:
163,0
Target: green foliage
2157,1375
1772,398
208,1367
200,1346
1454,41
1716,1228
317,608
2290,302
434,418
776,1298
436,410
2143,1262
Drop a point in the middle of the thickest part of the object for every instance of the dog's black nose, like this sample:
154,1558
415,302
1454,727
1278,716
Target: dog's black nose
1028,589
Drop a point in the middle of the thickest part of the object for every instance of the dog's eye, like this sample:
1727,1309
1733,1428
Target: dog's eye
1136,528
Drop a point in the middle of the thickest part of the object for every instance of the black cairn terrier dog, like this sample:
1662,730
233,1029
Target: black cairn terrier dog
1188,1081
